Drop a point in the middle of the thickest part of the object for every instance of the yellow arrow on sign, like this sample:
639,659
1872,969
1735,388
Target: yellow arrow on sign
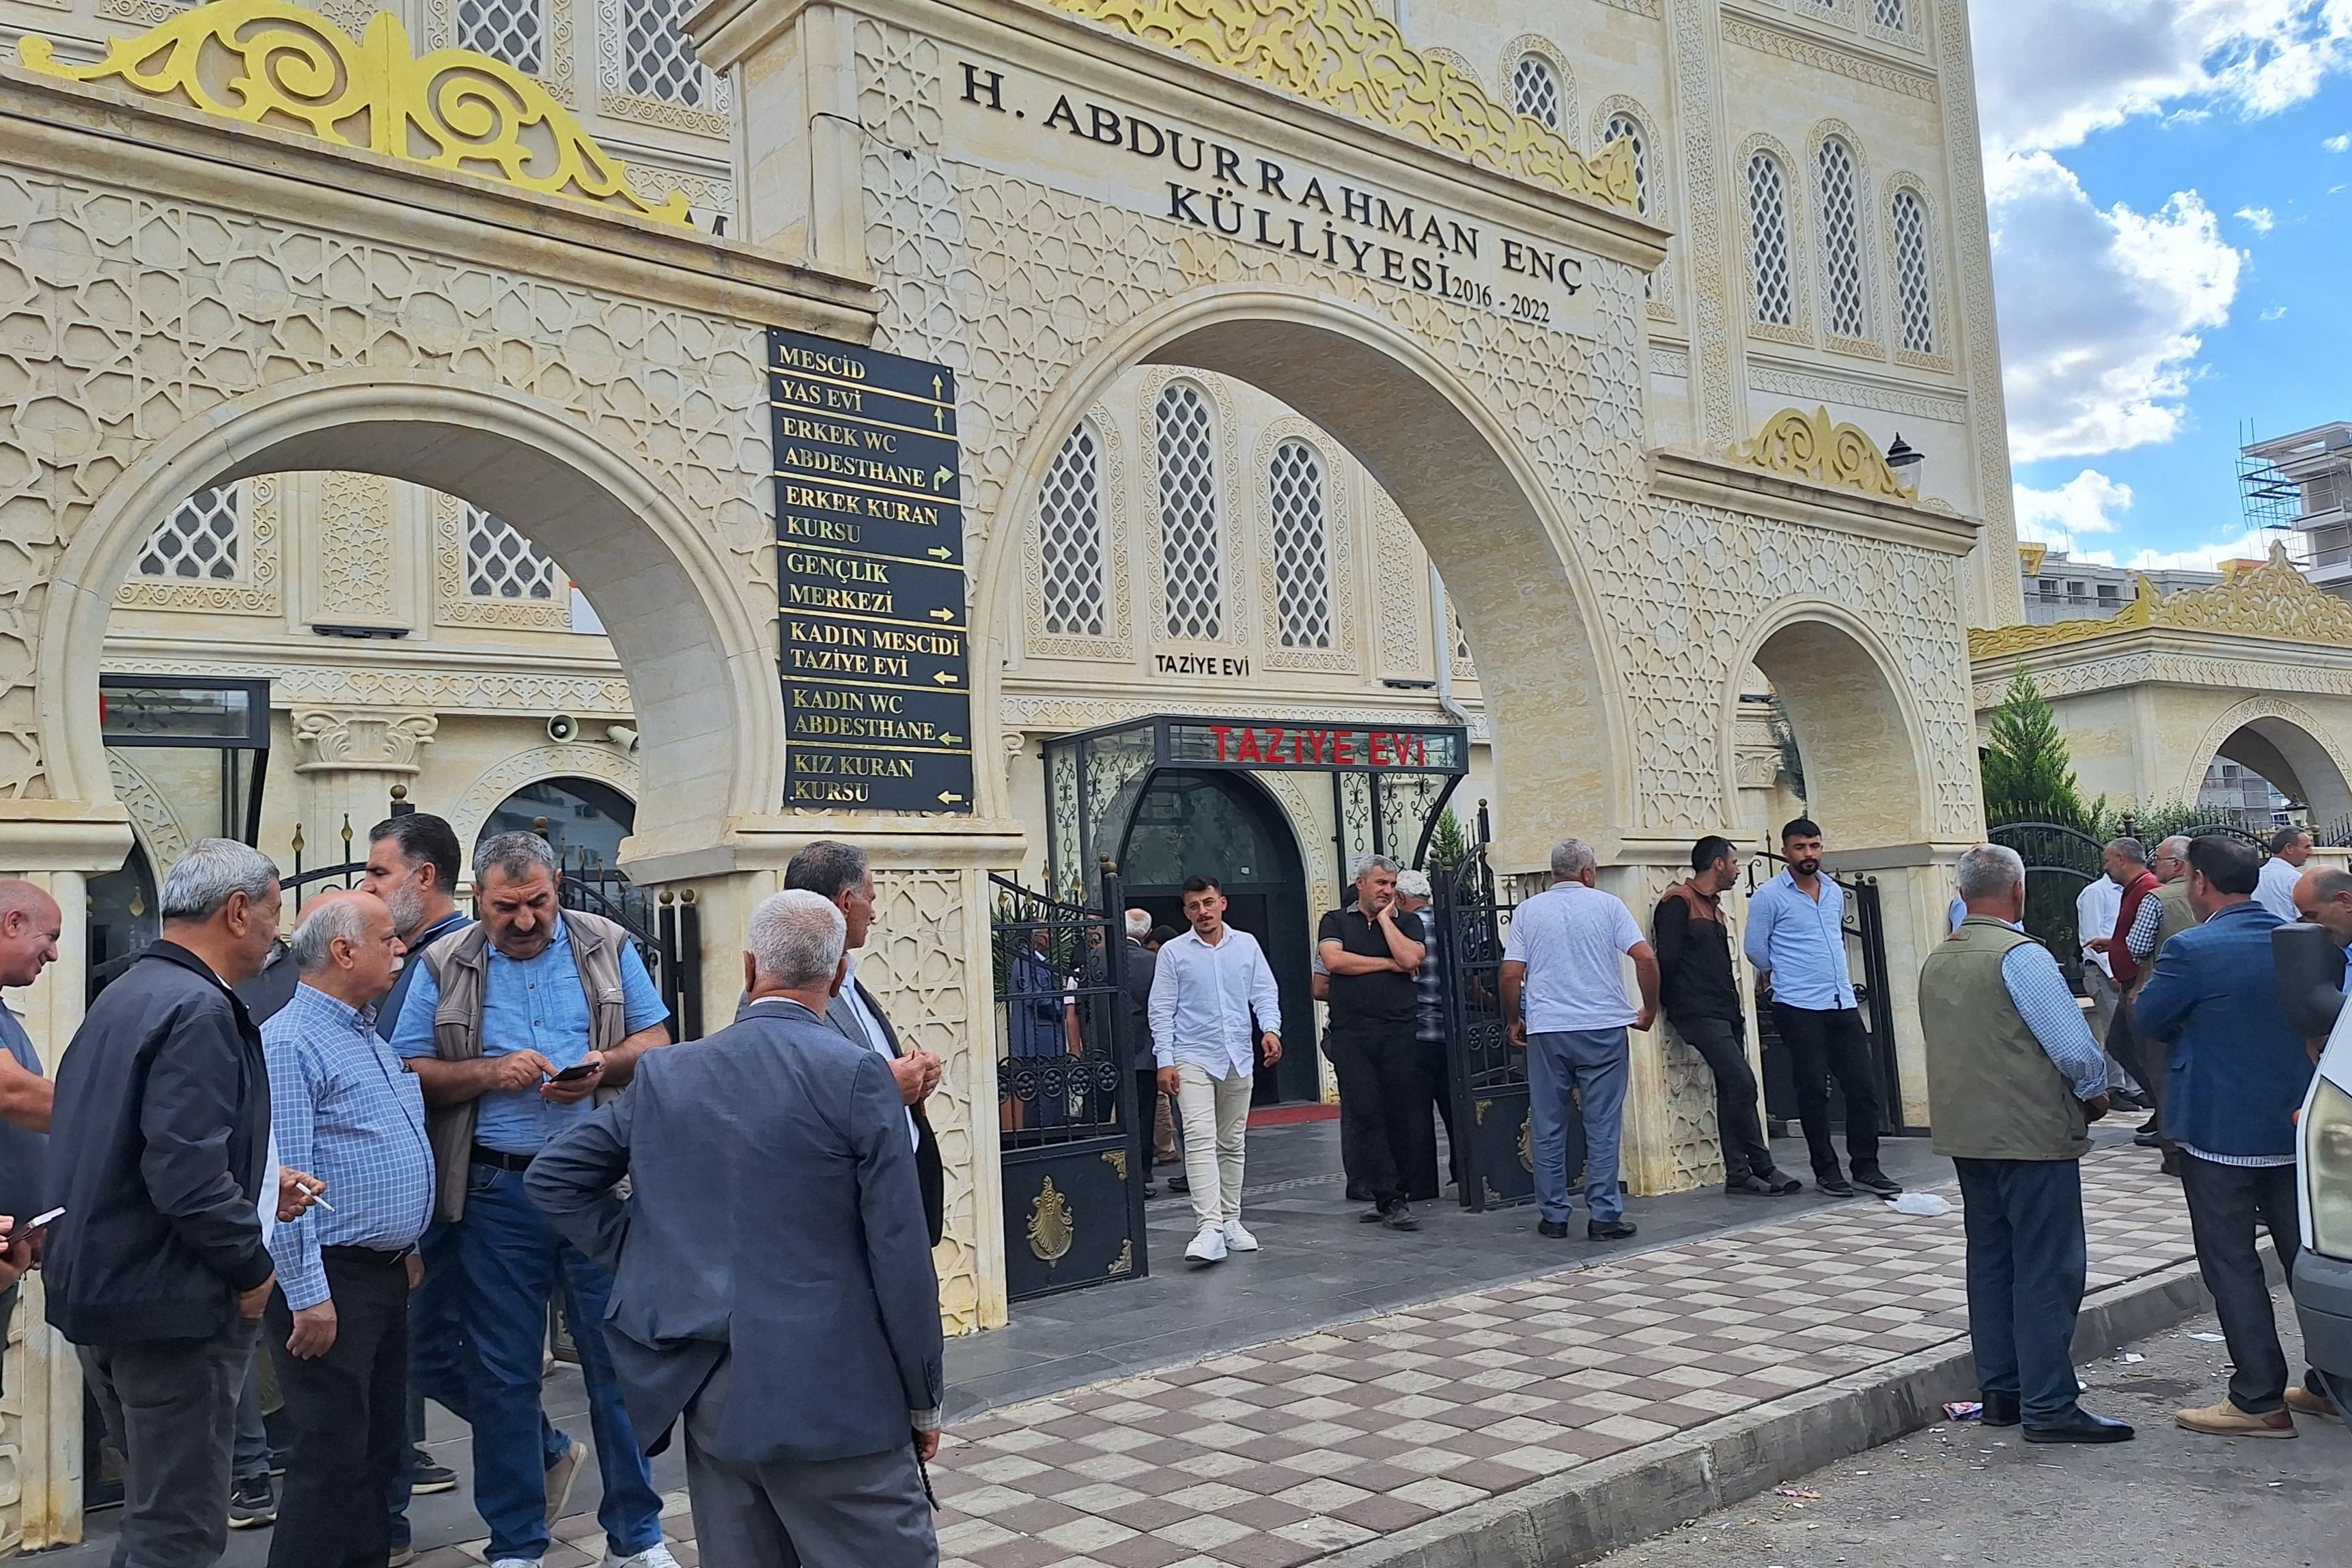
949,797
939,553
944,478
944,677
943,614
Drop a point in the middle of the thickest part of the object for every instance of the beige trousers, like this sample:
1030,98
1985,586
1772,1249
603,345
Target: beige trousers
1216,1117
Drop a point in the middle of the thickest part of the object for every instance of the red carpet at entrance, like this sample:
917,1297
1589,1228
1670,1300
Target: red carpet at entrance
1291,1115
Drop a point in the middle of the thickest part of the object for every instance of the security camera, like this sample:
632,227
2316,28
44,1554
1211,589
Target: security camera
562,727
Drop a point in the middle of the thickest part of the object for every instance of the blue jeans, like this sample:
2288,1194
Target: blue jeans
440,1364
513,1261
1592,1062
2027,1266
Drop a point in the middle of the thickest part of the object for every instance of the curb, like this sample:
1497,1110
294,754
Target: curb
1589,1511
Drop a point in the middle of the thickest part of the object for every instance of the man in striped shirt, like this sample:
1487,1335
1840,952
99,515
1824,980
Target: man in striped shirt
344,1107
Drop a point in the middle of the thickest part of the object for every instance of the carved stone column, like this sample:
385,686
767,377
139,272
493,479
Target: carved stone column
348,760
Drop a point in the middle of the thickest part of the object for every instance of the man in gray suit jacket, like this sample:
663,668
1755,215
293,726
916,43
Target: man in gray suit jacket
772,1283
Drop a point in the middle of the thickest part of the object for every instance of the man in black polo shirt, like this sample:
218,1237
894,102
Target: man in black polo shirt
1373,952
1701,998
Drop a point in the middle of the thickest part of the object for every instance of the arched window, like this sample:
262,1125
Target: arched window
1302,545
1890,14
657,57
1190,549
1915,288
1841,220
1070,538
1534,89
514,31
1768,241
584,819
1625,127
199,540
502,564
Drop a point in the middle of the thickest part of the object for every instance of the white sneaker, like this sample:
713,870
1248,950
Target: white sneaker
1208,1247
1237,1238
654,1556
514,1562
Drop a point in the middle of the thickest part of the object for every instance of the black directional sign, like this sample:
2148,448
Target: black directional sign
870,536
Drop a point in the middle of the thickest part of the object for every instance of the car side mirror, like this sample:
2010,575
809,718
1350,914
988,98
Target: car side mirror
2310,976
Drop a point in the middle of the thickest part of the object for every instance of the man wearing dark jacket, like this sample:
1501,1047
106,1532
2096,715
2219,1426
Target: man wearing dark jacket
1140,964
161,1136
1702,1000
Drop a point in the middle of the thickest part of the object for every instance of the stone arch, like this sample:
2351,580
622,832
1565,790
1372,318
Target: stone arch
1857,732
575,759
701,671
2285,743
1458,474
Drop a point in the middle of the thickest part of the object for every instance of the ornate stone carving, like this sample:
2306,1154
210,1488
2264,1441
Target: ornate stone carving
295,69
1344,54
2272,600
160,828
1919,403
1821,54
354,547
1810,447
1404,651
256,589
453,605
359,742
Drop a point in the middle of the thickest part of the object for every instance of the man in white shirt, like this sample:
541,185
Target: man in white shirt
1564,994
2275,889
1211,985
2096,908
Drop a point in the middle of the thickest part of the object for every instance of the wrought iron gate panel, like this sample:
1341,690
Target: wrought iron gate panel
1066,1091
1488,1075
2060,862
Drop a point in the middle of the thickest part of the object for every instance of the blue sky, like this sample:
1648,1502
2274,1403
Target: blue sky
2170,224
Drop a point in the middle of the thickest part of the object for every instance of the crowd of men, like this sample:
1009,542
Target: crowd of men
352,1170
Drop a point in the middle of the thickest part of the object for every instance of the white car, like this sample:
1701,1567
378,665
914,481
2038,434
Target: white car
2323,1275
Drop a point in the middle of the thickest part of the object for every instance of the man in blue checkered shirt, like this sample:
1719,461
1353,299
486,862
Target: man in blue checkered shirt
345,1108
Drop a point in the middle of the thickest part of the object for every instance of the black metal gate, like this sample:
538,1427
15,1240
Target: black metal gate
2060,862
1488,1074
1865,932
1066,1103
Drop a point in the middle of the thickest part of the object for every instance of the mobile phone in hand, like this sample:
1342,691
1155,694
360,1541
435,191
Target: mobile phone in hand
35,1226
573,1074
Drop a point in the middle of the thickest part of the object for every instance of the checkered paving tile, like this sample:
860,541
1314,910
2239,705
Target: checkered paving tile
1290,1451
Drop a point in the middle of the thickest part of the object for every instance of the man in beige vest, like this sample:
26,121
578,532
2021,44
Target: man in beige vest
2013,1079
512,1026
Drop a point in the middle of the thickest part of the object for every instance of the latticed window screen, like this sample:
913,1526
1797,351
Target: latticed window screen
502,564
514,31
1625,127
1534,89
1841,240
1913,282
1768,240
1302,545
657,57
1070,538
1890,14
1463,664
199,540
1191,554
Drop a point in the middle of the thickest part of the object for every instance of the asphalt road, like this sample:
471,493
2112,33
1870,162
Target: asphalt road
1959,1494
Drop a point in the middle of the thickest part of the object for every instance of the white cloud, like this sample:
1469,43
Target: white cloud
2050,72
2254,544
2338,143
2090,503
2261,220
2275,313
2100,308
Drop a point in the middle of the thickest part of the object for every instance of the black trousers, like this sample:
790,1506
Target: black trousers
2226,1204
2144,1059
170,1405
1440,1089
1385,1096
1722,1044
349,1411
1146,1113
2027,1265
1822,1044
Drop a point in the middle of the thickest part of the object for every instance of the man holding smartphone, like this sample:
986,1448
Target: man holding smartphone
494,1014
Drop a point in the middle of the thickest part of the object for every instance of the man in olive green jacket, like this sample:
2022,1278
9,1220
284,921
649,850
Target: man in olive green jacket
2013,1081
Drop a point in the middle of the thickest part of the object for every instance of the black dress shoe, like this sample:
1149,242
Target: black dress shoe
1400,1217
1610,1230
1555,1229
1750,1188
2000,1410
2170,1164
2147,1140
2082,1427
1837,1186
1151,1189
1359,1194
1179,1185
2149,1128
1372,1216
1782,1183
1879,1182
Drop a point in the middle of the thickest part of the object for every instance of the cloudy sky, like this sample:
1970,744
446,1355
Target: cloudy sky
2171,203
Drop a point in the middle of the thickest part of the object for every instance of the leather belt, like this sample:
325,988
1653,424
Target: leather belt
374,1254
500,1160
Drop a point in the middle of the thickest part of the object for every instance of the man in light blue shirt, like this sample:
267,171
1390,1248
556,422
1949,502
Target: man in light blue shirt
1796,939
543,1007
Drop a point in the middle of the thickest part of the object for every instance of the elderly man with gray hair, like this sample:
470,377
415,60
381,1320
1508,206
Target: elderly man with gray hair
1564,993
772,1283
1374,951
2015,1078
159,1154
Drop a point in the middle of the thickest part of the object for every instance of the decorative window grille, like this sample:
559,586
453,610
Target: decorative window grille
1913,281
502,564
199,540
1841,240
1890,14
1190,549
1534,89
1464,667
1070,538
514,31
1302,546
1768,241
657,57
1625,127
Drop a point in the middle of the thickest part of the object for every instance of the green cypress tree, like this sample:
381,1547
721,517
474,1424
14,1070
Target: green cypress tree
2027,769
